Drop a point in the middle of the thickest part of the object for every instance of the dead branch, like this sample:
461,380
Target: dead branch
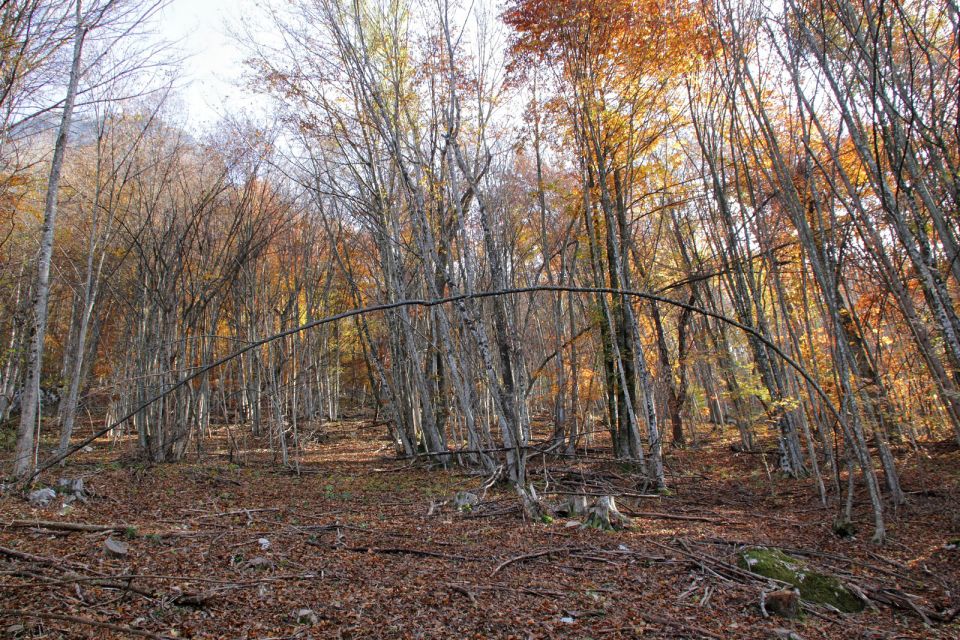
535,554
404,550
84,621
65,526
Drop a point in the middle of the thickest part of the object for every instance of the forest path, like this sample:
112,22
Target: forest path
360,545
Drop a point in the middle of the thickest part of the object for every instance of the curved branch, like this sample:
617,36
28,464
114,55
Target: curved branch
433,303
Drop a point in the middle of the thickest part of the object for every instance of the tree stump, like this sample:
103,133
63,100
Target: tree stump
532,507
605,515
784,603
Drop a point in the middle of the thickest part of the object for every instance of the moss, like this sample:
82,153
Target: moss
814,587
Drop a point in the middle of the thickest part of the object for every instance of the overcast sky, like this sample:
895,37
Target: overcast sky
214,62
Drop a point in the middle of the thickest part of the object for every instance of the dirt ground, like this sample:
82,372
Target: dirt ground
361,545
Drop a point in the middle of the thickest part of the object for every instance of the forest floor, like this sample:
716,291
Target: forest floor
360,545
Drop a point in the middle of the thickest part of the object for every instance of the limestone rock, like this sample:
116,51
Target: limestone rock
258,563
41,497
306,616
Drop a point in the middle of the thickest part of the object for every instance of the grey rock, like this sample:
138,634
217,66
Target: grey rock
116,548
465,501
306,616
41,497
258,563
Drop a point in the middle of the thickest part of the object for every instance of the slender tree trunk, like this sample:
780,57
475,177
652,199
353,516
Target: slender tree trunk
23,455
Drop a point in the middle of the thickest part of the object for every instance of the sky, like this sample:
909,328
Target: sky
213,64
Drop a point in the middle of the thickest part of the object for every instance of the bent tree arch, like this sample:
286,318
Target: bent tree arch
425,303
419,302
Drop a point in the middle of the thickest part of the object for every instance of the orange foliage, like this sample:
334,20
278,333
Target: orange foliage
647,34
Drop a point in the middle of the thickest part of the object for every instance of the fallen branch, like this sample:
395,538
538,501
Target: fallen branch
50,562
503,587
535,554
85,621
901,601
404,550
65,526
672,516
97,581
235,512
689,628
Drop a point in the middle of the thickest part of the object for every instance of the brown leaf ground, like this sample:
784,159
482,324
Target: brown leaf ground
352,538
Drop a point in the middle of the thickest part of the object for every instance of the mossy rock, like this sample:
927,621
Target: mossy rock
814,587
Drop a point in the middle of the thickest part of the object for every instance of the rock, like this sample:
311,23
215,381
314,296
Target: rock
604,515
258,563
814,587
465,501
15,630
306,616
784,603
952,545
116,548
41,497
264,544
786,634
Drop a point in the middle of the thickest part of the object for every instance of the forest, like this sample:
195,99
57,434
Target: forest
500,319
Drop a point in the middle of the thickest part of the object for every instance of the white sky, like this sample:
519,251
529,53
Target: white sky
213,67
